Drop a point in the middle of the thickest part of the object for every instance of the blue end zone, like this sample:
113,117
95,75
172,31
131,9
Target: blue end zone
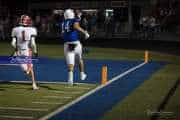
95,105
55,70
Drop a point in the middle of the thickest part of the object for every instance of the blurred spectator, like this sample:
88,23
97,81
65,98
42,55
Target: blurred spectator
144,23
2,35
151,26
100,19
93,23
50,23
84,21
107,23
44,23
144,27
37,21
8,24
78,14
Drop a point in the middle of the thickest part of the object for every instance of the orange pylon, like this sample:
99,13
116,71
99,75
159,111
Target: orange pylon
146,56
104,75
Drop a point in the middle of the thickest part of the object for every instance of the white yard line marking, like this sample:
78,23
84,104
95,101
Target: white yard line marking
21,108
49,103
70,92
91,92
17,117
73,87
59,97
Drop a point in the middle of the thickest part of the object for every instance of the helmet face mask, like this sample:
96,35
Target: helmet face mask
69,14
25,20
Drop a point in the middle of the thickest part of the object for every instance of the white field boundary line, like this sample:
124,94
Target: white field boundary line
47,103
17,117
64,92
45,82
9,64
58,97
91,92
21,108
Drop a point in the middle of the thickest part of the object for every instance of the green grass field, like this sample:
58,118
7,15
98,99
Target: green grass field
136,106
21,100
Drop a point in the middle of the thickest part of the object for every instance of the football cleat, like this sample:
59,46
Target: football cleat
35,87
83,76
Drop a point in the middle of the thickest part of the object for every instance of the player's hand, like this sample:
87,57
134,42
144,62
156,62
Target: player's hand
86,35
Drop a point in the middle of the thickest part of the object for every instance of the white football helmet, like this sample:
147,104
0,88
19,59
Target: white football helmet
69,14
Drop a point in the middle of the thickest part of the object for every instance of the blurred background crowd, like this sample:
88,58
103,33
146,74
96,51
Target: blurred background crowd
162,17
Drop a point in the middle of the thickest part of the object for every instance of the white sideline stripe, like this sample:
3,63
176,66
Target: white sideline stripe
45,82
49,103
90,92
21,108
16,117
65,92
65,97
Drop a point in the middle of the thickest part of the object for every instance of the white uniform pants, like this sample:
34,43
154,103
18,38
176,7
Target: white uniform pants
72,49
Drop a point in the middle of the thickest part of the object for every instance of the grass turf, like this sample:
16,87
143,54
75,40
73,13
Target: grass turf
17,99
146,97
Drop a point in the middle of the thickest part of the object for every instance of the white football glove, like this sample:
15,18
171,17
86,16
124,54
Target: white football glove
86,35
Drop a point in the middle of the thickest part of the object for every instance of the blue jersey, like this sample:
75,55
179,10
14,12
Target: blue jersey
69,33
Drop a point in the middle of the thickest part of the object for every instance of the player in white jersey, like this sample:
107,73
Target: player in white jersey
23,40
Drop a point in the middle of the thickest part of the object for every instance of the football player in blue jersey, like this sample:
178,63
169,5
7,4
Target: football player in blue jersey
72,45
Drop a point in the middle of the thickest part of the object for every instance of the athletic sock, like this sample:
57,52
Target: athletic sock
70,77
